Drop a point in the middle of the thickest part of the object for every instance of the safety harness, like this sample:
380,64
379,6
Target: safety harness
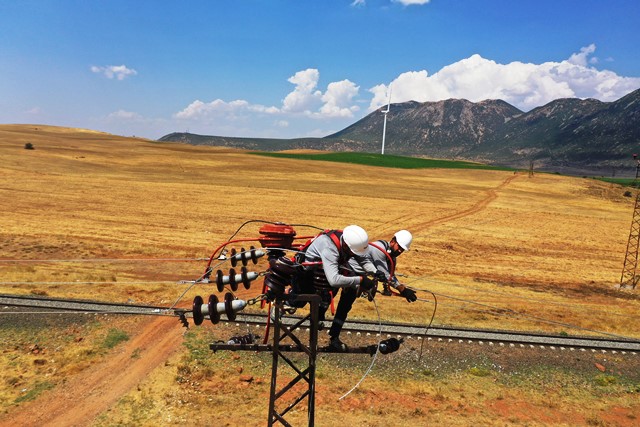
319,278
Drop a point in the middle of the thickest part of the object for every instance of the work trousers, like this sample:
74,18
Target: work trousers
347,298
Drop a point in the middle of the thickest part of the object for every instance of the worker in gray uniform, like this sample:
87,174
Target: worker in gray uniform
383,254
326,260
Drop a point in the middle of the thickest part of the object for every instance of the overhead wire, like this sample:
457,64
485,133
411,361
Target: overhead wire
544,301
512,312
375,355
136,282
101,260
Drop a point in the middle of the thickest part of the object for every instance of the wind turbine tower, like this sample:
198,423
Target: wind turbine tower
384,126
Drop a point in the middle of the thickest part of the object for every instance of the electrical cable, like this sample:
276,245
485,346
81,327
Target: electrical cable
59,312
516,313
426,329
375,355
528,299
102,260
91,283
526,316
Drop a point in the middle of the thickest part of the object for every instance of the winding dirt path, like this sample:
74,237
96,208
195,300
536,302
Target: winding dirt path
492,194
413,223
86,395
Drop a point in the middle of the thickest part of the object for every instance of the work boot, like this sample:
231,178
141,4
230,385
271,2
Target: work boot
337,345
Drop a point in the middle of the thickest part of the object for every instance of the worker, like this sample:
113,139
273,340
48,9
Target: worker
334,249
384,253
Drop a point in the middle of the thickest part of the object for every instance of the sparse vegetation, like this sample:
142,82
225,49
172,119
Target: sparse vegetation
34,391
479,372
543,247
114,337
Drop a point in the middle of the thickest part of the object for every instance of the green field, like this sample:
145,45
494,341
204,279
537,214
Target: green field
627,182
387,161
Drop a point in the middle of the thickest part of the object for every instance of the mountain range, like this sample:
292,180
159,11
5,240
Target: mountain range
564,135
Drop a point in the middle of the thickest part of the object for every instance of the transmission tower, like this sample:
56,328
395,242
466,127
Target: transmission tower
629,279
530,168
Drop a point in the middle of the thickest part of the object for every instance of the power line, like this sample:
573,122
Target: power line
544,301
102,260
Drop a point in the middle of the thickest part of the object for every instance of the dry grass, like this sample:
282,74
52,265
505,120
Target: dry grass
547,246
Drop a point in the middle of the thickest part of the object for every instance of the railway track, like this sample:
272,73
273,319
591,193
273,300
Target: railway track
387,329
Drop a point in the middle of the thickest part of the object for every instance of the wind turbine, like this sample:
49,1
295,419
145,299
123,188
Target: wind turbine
384,126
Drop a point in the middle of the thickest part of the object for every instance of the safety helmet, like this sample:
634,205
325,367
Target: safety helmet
356,239
403,238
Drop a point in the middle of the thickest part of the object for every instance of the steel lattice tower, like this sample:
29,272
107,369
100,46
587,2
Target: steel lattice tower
629,278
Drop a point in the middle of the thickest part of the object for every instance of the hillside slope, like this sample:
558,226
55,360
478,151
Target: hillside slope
566,133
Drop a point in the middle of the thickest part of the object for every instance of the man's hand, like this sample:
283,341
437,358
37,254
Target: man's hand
367,284
380,276
409,294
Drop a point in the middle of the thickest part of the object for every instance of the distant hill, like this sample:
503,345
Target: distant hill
571,134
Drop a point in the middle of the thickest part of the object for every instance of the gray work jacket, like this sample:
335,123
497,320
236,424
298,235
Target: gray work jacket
379,260
323,249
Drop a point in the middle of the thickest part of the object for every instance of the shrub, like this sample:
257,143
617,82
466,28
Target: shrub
479,372
29,146
114,337
605,380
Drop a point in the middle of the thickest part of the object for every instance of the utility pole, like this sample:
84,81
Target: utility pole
629,279
530,168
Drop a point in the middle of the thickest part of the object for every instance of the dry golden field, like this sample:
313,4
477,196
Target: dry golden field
92,215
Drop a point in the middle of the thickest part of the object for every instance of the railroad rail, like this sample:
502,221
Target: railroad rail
389,329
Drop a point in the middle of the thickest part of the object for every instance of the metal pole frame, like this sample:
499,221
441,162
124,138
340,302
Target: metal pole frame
629,278
308,373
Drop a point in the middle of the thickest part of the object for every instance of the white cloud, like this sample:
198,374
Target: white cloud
35,111
122,115
523,85
581,58
358,3
219,108
305,100
338,99
304,97
119,72
412,2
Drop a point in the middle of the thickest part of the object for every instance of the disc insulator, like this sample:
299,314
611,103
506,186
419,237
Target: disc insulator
198,317
214,316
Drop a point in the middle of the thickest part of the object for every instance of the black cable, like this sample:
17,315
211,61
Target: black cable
426,330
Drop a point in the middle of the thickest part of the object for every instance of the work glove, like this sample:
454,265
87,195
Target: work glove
409,294
367,284
380,276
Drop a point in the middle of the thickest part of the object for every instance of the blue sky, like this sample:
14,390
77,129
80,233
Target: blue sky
288,69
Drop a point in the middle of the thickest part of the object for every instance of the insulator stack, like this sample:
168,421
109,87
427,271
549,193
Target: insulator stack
279,275
213,308
244,256
233,279
277,235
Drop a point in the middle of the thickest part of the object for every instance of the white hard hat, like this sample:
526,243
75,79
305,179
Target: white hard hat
356,238
404,238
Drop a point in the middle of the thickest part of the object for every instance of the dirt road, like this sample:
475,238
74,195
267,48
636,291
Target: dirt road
85,396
